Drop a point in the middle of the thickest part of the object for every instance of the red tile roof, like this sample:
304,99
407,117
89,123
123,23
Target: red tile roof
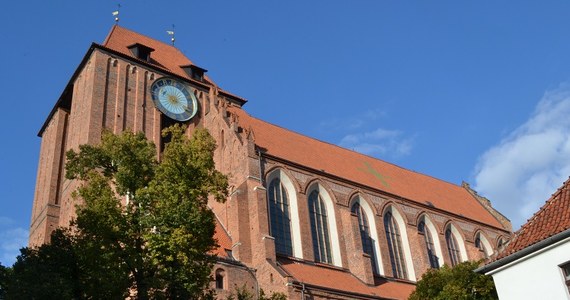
224,241
551,219
365,170
343,281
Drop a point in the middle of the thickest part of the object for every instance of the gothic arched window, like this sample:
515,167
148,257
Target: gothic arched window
430,246
481,244
365,235
319,228
395,246
279,216
452,247
500,244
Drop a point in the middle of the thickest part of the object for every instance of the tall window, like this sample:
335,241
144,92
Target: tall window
319,228
430,247
480,246
365,236
452,247
395,246
220,279
279,216
500,244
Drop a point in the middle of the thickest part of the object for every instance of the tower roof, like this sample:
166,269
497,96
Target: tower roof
164,56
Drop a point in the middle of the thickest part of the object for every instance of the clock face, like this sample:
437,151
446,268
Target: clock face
174,99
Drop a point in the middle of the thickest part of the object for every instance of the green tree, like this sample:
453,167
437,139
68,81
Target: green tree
273,296
156,243
241,293
459,282
48,272
4,275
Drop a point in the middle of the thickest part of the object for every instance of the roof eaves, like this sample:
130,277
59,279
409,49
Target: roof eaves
354,295
241,101
486,269
68,85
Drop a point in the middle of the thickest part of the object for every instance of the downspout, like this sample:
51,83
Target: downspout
262,182
260,168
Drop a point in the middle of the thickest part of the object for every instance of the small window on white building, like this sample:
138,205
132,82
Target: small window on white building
566,272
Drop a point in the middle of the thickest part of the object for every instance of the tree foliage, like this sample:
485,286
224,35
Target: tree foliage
244,293
459,282
4,276
143,228
49,271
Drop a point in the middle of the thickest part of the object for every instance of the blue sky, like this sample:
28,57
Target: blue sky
474,91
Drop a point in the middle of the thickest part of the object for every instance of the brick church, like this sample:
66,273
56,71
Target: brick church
305,218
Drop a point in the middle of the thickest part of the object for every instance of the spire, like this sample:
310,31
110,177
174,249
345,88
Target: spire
116,14
171,34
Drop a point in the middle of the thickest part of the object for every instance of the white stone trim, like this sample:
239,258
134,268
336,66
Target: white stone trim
405,241
435,237
371,216
294,210
459,238
331,218
486,244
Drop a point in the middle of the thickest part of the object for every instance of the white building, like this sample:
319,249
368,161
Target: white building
536,263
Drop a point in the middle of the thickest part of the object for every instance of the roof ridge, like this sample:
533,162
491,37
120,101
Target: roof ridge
534,230
349,150
547,203
223,227
108,37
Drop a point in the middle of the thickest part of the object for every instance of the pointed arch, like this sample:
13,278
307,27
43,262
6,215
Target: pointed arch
432,244
368,231
398,244
455,244
283,211
483,244
326,246
501,243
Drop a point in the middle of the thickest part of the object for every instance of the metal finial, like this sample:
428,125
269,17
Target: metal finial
116,14
171,33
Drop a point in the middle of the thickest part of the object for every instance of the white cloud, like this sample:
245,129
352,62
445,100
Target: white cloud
520,173
379,142
11,240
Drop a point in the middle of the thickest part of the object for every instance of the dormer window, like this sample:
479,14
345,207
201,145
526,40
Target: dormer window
141,51
194,72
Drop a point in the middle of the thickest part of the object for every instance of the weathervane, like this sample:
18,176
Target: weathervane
116,14
171,33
